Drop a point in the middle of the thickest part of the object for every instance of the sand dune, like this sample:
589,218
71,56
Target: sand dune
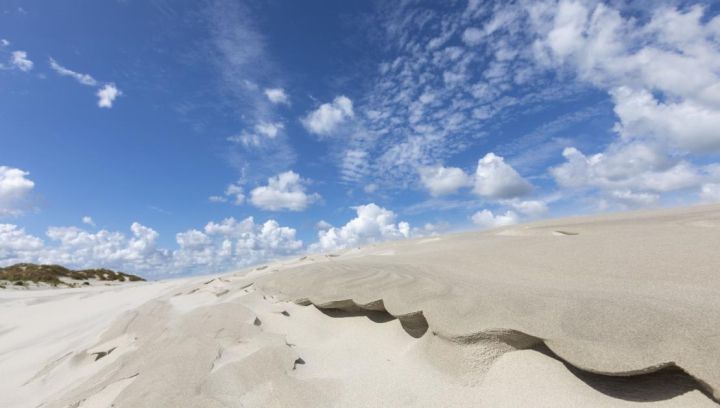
618,310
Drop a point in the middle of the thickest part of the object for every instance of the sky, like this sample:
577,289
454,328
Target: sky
168,138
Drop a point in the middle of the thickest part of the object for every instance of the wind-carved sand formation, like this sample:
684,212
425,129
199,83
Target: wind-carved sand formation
619,310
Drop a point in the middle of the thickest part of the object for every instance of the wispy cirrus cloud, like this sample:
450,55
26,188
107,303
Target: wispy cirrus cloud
85,79
239,54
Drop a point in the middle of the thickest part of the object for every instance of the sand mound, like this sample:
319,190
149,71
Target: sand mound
609,311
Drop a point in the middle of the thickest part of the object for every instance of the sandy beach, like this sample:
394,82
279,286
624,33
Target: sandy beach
614,310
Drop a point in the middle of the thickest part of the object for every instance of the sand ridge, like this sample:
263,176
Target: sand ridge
612,295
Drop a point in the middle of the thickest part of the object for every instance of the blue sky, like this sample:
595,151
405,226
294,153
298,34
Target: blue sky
142,135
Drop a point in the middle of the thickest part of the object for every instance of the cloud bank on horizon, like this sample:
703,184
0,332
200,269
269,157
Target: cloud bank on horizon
397,120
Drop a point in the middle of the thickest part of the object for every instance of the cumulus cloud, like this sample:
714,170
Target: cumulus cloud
84,79
329,116
192,239
77,247
107,94
496,179
673,51
372,224
277,95
439,180
683,125
16,245
662,73
530,208
628,174
20,61
15,190
219,246
87,220
486,219
286,191
230,227
323,225
232,243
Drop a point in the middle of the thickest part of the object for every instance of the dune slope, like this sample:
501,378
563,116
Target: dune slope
615,311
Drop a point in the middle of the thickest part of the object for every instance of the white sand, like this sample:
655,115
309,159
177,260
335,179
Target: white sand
520,316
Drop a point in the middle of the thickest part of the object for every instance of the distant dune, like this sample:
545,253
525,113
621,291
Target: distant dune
26,275
619,311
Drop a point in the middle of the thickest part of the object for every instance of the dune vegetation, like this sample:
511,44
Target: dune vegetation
22,274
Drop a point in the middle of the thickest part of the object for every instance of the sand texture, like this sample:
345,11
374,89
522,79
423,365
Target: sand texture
618,311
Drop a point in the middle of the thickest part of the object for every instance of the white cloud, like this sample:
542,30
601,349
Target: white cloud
329,116
674,51
21,61
230,227
245,138
372,224
218,247
407,118
496,179
88,220
107,94
566,35
286,191
269,129
263,132
662,72
370,188
628,174
191,239
531,208
232,243
439,180
277,95
238,52
684,124
710,192
16,245
236,192
472,36
79,248
486,219
217,199
15,189
323,225
84,79
630,199
4,42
